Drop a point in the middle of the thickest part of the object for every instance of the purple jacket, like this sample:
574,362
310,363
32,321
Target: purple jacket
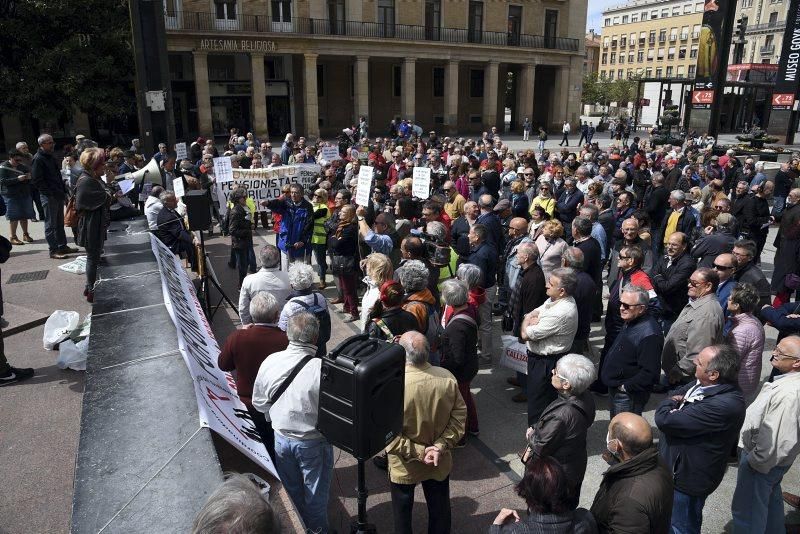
747,336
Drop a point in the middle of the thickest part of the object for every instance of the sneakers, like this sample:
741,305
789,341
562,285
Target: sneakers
15,374
15,241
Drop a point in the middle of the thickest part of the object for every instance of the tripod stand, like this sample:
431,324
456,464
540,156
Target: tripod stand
205,279
360,525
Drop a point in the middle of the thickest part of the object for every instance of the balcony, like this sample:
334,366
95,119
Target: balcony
673,38
767,50
778,25
684,36
205,22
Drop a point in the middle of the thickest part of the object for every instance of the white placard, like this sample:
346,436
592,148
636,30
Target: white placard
180,151
177,187
421,186
329,153
223,171
125,186
266,184
364,185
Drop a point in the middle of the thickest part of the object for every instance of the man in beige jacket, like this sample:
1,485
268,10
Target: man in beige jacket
433,423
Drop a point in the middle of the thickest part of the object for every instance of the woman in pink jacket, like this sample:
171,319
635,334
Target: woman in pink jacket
747,336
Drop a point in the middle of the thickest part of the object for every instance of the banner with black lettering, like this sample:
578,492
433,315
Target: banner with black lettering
218,403
266,184
786,85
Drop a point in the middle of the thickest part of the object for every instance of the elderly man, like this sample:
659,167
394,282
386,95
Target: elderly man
297,225
454,206
549,331
699,325
630,238
699,426
378,238
632,364
152,206
484,256
592,212
246,349
680,219
303,457
567,205
787,247
717,239
670,276
269,278
769,445
434,415
508,266
304,298
236,502
46,178
491,221
725,265
748,272
635,494
172,232
592,251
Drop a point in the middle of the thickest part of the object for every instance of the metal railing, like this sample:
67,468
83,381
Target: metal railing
776,26
767,50
198,21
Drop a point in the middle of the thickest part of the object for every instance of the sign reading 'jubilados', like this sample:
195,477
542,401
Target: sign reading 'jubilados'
238,45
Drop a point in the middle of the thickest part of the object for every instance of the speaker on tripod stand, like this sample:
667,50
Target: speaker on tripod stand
198,209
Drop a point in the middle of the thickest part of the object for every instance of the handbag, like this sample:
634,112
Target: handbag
70,213
508,321
342,264
792,281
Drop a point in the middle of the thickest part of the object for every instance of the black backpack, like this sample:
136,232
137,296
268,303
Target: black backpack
323,316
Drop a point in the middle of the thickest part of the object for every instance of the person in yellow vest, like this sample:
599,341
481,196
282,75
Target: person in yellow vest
322,213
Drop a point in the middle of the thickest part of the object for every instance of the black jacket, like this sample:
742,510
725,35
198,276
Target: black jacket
485,257
397,320
10,184
634,360
346,244
91,203
655,203
635,496
592,263
533,293
584,295
710,246
171,231
567,205
240,228
459,239
495,228
670,283
697,439
46,175
459,347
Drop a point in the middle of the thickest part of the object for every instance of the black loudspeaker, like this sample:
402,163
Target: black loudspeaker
198,209
361,395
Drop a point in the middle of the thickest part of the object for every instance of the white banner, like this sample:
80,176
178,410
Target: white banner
218,403
364,185
515,354
421,183
266,184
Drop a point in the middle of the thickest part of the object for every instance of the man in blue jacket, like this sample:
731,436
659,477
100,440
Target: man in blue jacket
297,224
699,426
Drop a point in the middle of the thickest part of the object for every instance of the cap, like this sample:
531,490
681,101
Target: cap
502,205
724,219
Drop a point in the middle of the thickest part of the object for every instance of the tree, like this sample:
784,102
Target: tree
595,89
623,90
63,55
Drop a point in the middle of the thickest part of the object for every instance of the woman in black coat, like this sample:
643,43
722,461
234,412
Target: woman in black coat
92,202
241,230
387,319
343,246
561,429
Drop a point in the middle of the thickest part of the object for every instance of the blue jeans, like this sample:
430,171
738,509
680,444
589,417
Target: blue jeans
687,513
54,223
778,203
757,504
619,401
306,470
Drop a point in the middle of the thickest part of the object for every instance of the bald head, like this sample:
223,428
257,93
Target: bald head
633,432
416,347
519,224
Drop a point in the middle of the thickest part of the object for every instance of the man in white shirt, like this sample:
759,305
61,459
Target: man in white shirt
303,457
549,331
269,278
152,206
769,445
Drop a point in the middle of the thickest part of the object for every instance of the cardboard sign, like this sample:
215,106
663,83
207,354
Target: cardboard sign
180,151
329,153
177,187
421,184
223,171
364,185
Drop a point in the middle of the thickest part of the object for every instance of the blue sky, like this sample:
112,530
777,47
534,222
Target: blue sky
594,16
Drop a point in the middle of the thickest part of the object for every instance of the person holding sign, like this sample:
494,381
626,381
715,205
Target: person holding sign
296,227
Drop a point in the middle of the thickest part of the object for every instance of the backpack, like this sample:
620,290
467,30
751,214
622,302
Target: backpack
323,316
434,329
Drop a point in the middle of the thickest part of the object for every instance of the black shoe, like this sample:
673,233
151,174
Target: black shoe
15,374
68,250
381,462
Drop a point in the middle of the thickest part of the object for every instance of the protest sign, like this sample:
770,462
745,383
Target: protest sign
180,151
515,354
125,186
329,153
223,171
364,185
177,187
421,183
218,404
266,184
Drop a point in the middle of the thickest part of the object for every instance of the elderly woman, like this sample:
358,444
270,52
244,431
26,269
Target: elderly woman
247,348
545,488
561,429
471,275
747,336
551,247
319,237
378,268
387,319
16,190
519,200
343,246
419,302
91,203
304,298
459,350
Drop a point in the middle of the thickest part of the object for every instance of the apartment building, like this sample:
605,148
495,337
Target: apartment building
766,22
653,39
591,62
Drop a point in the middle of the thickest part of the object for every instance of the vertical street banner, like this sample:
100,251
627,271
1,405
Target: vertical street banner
218,405
710,52
785,91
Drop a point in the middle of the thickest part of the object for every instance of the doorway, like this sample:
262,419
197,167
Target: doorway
279,116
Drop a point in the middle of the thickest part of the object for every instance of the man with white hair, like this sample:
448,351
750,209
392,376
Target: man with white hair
286,149
286,391
434,415
304,298
46,177
269,278
679,219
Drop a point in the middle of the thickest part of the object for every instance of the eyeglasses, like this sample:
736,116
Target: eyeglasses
544,189
626,306
624,257
740,255
695,283
527,174
723,267
718,208
783,356
559,376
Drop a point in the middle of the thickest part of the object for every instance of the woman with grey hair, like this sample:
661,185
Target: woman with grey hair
459,349
562,427
471,275
304,298
236,505
747,337
419,301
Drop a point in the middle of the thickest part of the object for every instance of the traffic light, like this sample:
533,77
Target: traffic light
741,25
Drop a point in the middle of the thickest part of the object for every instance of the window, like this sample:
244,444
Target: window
660,54
606,42
698,7
640,56
664,13
624,19
438,82
644,16
693,52
274,68
611,75
691,70
650,55
773,18
281,10
687,9
622,59
514,24
662,36
653,15
673,34
669,72
386,18
604,58
652,39
476,83
659,72
630,73
550,27
630,57
682,52
671,53
475,21
320,80
613,58
616,20
648,72
336,16
623,41
225,14
634,18
620,74
397,80
696,31
433,19
607,22
680,71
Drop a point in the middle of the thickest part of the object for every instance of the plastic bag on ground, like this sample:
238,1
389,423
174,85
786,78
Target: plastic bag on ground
58,327
72,356
77,266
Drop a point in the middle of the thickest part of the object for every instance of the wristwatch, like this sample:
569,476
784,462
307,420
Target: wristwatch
360,218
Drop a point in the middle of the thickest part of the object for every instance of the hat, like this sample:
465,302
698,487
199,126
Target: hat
502,206
714,158
201,140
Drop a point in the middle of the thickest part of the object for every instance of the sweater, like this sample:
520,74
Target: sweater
245,350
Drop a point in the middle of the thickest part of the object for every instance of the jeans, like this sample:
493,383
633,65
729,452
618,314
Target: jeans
540,146
306,470
687,513
472,411
437,497
778,203
92,260
540,392
619,401
322,261
54,223
241,262
757,504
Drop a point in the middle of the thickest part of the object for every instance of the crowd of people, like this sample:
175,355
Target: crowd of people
530,237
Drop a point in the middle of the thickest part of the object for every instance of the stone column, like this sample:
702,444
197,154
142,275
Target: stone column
361,84
311,100
260,128
527,80
408,89
490,88
451,97
203,94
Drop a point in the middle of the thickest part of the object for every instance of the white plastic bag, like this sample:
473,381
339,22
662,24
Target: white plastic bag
77,266
58,327
72,356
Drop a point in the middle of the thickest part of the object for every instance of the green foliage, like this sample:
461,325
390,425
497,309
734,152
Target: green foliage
597,90
62,55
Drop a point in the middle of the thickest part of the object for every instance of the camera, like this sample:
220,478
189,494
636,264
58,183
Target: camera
438,253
